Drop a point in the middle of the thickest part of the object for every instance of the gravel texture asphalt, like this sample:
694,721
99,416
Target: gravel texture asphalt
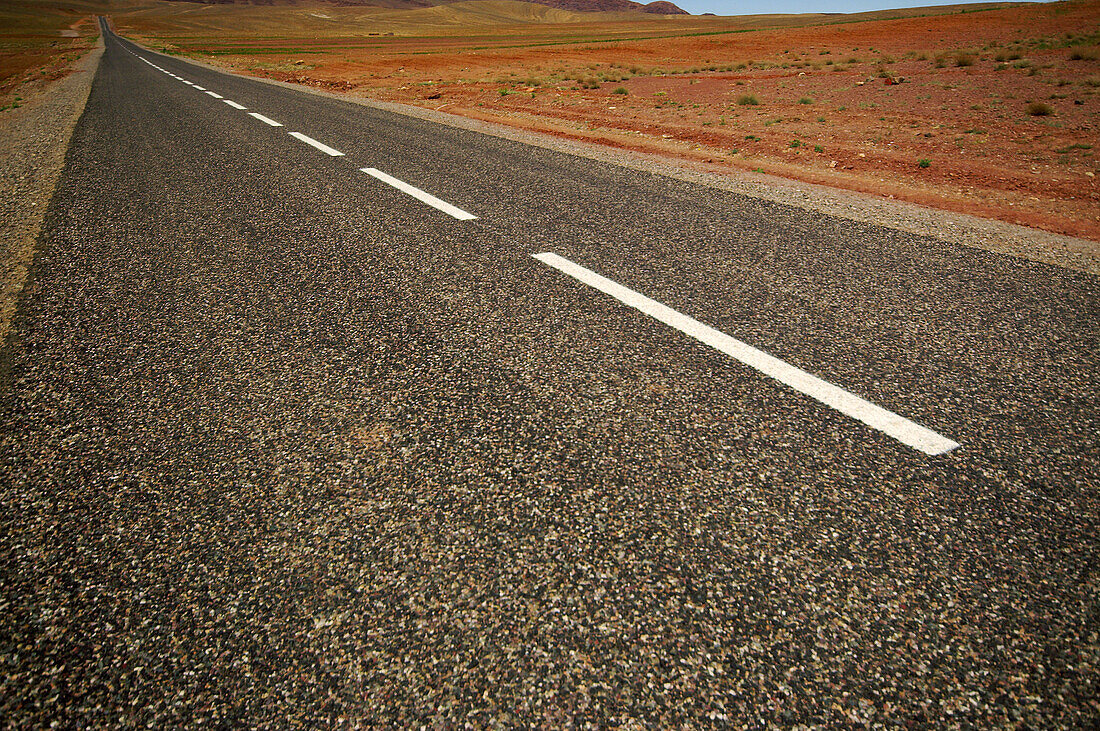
282,446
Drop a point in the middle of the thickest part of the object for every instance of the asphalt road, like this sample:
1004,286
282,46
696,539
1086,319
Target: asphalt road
283,445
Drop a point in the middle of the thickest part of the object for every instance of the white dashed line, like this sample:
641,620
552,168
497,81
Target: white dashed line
420,195
900,428
214,94
199,88
234,104
265,120
314,143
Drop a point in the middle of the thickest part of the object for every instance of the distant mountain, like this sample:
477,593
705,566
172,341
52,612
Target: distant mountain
659,7
663,7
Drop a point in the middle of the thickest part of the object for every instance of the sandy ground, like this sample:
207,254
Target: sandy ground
992,113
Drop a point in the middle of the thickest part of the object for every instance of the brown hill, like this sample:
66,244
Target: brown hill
663,7
659,7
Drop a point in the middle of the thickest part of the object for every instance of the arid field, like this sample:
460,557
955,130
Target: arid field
39,42
990,109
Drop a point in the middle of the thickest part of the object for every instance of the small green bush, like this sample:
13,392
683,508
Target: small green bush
1039,109
748,100
805,100
620,90
964,59
924,162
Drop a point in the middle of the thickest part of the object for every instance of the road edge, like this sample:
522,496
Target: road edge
39,145
999,237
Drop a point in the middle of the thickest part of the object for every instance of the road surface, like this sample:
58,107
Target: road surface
318,415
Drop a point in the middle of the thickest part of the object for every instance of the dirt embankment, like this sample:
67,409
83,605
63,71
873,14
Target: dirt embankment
993,113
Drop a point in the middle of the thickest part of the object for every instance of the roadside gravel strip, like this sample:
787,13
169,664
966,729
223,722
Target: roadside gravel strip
321,416
33,141
955,228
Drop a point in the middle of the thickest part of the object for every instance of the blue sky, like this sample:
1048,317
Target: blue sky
753,7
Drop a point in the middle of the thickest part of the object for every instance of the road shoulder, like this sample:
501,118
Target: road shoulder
33,142
955,228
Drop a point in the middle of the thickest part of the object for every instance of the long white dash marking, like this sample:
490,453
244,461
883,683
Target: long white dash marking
898,427
234,104
265,120
420,195
187,82
199,88
214,94
314,143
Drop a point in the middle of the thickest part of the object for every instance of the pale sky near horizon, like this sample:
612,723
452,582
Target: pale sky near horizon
754,7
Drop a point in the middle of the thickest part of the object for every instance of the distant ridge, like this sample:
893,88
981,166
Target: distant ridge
663,7
659,7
